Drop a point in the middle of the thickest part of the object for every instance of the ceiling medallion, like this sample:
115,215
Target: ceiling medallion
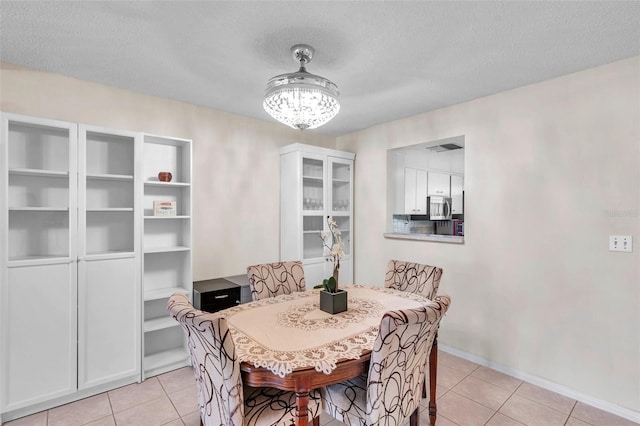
301,100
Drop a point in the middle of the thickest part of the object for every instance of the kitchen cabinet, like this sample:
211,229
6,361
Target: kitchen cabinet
415,191
315,183
457,188
438,183
69,261
167,258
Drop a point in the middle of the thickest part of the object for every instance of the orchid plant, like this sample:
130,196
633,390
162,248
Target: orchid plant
332,241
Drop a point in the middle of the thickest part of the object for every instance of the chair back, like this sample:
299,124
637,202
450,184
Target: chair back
398,361
413,278
214,363
273,279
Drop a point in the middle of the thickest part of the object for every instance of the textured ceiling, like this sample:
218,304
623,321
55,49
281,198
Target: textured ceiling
390,59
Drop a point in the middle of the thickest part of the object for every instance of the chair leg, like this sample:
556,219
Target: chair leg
433,374
316,421
414,420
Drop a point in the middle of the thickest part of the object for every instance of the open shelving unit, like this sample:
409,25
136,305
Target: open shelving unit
167,260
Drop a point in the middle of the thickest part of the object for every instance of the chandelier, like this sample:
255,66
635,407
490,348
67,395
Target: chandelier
301,100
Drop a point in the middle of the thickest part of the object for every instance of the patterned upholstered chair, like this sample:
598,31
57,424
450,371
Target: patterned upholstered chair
222,397
391,391
273,279
413,277
424,280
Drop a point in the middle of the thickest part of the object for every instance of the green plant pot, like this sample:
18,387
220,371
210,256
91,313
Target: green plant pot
333,303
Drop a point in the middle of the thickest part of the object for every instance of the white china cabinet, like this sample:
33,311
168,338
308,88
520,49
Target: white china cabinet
315,183
167,260
69,258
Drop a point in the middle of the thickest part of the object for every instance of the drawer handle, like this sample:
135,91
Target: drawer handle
222,296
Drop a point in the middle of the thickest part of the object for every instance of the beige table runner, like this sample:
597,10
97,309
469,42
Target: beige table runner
288,332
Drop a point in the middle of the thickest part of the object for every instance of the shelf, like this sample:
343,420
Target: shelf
316,178
109,254
39,173
163,293
160,324
109,177
110,209
167,184
341,181
39,209
37,260
168,217
165,249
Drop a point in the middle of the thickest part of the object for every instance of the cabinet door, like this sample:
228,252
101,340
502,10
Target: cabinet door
109,326
457,204
315,271
421,191
439,184
410,190
39,334
415,191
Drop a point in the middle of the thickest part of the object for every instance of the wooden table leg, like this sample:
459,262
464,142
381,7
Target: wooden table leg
302,403
433,373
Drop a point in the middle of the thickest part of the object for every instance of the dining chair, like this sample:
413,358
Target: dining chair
391,391
222,397
413,277
273,279
424,280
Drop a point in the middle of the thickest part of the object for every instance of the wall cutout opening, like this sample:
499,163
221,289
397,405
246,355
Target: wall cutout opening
425,191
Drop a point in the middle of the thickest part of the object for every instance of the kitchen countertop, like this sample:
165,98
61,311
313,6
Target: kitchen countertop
454,239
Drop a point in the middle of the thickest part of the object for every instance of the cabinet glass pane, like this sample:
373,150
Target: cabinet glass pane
312,184
37,234
109,154
341,187
344,225
109,232
104,194
312,242
38,147
37,191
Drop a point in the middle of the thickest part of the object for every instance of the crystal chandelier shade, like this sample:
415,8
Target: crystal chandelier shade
301,100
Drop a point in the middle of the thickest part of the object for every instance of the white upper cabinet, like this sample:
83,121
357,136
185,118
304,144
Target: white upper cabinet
439,184
415,191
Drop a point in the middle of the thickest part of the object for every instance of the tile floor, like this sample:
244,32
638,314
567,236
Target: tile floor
468,394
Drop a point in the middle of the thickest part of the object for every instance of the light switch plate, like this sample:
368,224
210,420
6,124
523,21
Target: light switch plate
621,243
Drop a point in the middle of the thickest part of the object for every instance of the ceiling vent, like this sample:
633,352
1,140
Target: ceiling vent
444,147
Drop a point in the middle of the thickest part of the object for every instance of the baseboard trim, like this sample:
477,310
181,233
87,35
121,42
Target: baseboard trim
626,413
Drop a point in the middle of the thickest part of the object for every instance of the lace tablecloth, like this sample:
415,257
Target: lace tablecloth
289,332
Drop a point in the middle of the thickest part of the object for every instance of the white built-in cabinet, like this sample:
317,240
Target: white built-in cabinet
315,183
457,200
439,184
86,268
167,260
415,191
69,260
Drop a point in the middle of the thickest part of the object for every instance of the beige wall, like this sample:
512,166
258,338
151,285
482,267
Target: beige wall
552,170
236,163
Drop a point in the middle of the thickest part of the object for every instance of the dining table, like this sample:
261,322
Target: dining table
287,342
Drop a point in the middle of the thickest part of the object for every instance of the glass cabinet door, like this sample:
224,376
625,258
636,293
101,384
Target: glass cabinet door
340,186
312,184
